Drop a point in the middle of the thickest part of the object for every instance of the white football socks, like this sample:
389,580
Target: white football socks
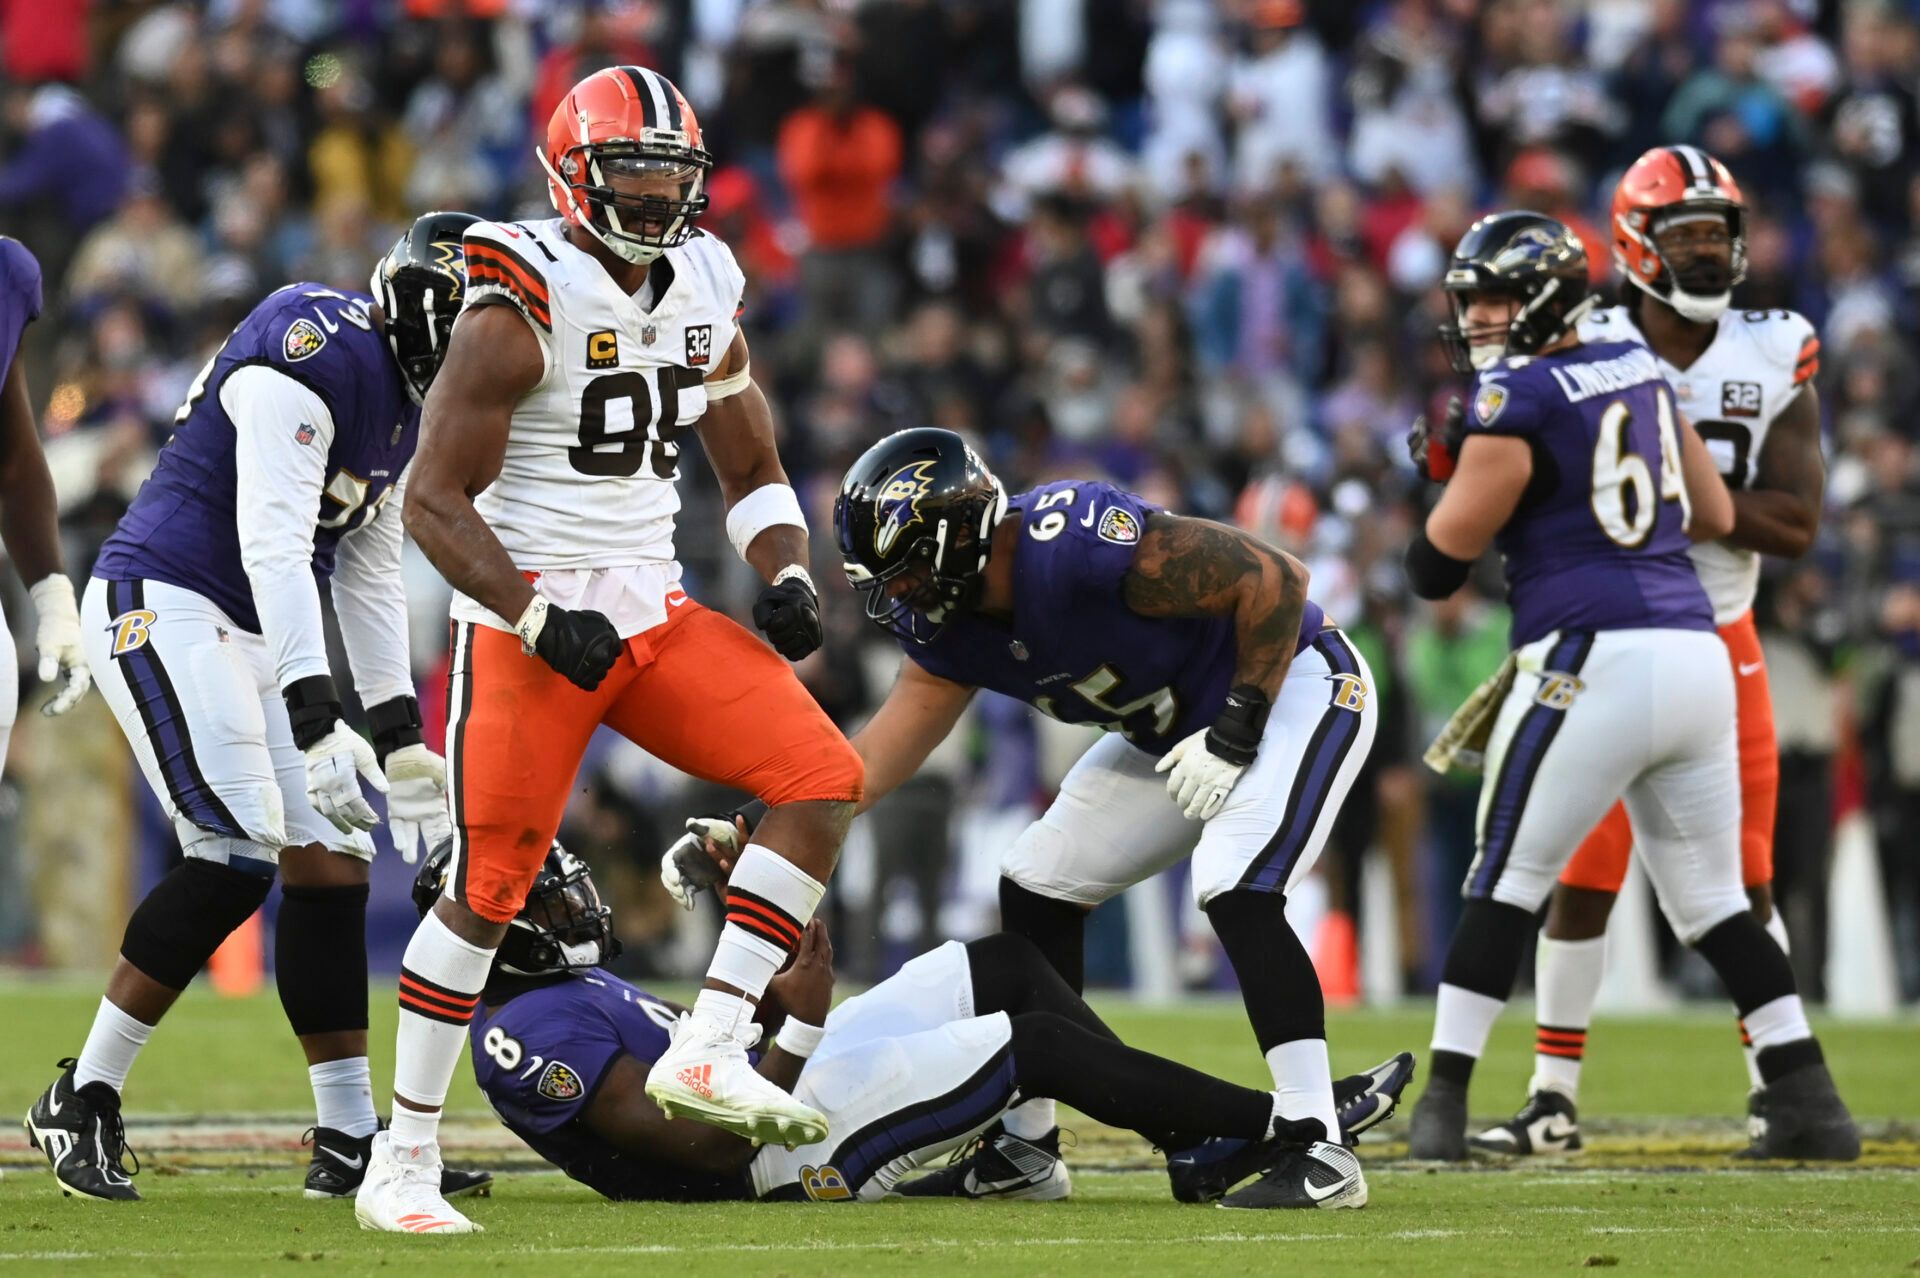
112,1045
1462,1020
1031,1120
441,977
1567,976
343,1096
1303,1080
769,901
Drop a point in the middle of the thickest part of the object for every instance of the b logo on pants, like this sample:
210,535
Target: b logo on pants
129,630
824,1184
1557,691
1349,692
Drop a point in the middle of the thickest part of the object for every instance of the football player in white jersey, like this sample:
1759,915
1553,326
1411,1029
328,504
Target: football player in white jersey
1745,379
544,492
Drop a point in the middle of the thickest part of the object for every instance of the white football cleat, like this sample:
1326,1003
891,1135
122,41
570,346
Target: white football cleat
401,1194
705,1075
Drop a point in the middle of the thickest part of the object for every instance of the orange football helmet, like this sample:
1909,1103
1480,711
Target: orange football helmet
626,121
1665,183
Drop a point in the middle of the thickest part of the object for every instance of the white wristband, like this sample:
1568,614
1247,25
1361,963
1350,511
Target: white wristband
761,509
732,384
794,572
530,623
797,1038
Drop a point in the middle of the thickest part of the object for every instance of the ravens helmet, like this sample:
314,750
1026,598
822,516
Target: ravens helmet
420,285
562,925
1534,259
918,506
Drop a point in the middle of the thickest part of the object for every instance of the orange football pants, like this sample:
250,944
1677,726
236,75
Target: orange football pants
1601,862
699,692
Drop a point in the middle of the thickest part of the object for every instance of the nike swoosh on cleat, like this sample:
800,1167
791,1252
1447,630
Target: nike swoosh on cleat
352,1164
53,1105
1319,1196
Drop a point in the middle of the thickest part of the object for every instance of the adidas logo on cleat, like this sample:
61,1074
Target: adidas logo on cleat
697,1079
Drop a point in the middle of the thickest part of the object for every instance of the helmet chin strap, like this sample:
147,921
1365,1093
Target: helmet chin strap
1697,307
618,245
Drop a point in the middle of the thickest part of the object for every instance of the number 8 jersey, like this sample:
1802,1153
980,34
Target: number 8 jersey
592,454
1733,393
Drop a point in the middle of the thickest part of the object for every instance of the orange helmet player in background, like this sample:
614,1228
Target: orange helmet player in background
627,120
1665,187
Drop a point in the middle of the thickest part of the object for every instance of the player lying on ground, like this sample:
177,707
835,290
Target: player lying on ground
1576,464
545,495
1679,239
908,1072
1194,644
203,629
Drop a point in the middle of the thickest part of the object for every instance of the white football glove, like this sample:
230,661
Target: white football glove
417,800
1201,779
58,640
335,764
687,868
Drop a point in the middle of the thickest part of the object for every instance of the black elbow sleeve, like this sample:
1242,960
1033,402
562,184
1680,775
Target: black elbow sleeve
1432,572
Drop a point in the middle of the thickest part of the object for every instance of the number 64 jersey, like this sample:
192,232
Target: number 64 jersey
585,496
1756,365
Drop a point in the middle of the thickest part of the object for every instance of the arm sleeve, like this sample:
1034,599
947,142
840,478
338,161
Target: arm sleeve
1095,552
22,276
282,431
370,598
1493,409
501,270
560,1066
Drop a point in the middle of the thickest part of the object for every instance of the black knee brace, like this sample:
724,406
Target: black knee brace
1489,947
1277,979
320,957
176,929
1748,960
1058,928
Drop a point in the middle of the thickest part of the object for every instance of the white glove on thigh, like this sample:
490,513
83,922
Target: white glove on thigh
58,639
687,868
1201,779
417,800
335,764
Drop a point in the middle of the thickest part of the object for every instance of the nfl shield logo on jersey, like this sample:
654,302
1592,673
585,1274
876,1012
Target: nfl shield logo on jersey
559,1082
304,340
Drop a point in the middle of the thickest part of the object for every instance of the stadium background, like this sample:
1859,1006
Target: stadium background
1188,246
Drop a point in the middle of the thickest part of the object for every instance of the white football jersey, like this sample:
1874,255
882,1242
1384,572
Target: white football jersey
1754,368
587,483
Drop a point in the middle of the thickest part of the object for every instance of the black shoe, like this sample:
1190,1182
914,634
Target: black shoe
1320,1175
81,1133
1000,1165
1438,1132
1367,1100
339,1164
1547,1124
1805,1119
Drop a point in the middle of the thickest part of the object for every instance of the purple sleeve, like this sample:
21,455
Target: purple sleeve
1099,530
564,1053
1501,404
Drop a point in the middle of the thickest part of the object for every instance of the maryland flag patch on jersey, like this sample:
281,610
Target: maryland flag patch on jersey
304,340
559,1082
1119,526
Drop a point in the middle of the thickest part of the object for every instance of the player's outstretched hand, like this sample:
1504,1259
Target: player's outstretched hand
1201,779
580,643
1434,451
417,800
805,989
335,765
701,858
788,613
58,639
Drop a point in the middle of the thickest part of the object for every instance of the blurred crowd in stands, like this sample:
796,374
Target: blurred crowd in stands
1190,245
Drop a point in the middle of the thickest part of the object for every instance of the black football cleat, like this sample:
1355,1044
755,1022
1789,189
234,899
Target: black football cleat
1438,1132
339,1164
1806,1120
81,1133
1363,1101
1000,1165
1756,1115
1547,1124
1321,1175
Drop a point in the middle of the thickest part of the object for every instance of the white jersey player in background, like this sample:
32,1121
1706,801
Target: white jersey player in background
1745,380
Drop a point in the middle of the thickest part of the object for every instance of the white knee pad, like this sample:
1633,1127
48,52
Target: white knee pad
238,854
1697,908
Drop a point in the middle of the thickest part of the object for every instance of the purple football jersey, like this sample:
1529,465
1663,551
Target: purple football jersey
1074,650
539,1057
180,528
19,297
1594,545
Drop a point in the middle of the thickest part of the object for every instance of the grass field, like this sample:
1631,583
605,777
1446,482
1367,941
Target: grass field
218,1102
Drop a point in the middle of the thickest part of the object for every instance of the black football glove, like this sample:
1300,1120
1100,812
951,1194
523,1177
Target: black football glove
580,643
788,613
1435,451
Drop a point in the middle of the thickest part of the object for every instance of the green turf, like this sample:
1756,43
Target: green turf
1662,1094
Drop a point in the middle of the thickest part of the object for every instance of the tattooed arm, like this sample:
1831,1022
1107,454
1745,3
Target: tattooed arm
1196,568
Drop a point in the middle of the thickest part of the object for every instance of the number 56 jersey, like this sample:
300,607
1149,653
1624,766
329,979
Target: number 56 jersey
592,454
1756,365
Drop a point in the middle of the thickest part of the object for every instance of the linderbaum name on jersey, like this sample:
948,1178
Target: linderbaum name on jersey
1755,366
593,450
